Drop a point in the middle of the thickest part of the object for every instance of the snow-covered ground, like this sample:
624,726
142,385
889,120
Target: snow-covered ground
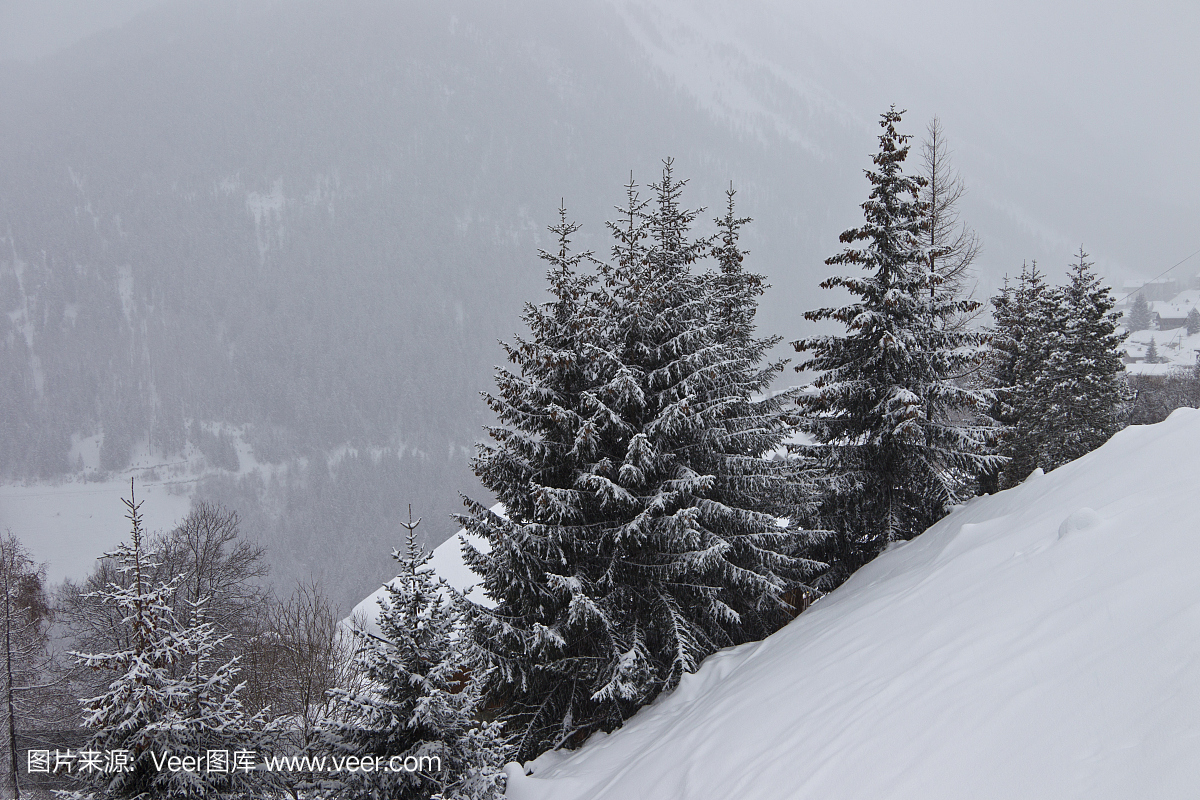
68,523
1039,643
1175,349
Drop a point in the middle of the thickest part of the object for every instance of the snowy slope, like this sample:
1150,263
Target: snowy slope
1040,643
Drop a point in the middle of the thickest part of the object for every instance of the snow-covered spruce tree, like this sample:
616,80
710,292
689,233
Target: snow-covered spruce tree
892,424
416,707
1079,395
754,421
641,531
1193,322
544,646
168,696
734,291
1139,314
1023,317
1152,356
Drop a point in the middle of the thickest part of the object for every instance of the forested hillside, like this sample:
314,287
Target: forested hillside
313,220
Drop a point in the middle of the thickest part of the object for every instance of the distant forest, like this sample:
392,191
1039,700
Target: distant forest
191,234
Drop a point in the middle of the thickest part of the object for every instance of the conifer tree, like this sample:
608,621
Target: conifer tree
1079,395
1152,352
1139,314
551,422
886,410
1023,316
417,707
998,375
168,696
735,291
756,418
642,527
1193,321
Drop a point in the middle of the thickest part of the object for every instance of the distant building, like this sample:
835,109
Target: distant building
1159,289
1173,313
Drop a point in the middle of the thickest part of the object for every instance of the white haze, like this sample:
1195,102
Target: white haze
32,29
1072,120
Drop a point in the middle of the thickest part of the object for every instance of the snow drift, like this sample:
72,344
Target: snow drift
1039,643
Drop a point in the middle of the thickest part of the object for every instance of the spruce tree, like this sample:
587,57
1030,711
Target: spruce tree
756,419
1079,395
1023,316
1139,314
1193,322
998,376
169,695
890,419
642,528
734,291
551,422
1152,352
416,707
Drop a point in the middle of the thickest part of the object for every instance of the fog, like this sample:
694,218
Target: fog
33,29
273,244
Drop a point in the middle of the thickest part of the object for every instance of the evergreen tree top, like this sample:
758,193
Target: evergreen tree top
736,290
1091,324
629,233
894,215
890,413
670,224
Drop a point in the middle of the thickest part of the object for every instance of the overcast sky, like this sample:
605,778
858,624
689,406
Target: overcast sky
1077,120
1101,96
30,29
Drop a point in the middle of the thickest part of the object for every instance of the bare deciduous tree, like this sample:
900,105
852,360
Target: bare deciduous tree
953,245
300,652
216,563
29,674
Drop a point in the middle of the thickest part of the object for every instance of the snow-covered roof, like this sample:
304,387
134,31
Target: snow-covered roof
1177,307
1042,642
1175,346
447,562
1142,368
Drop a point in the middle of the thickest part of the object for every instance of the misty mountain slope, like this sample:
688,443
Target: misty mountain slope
314,220
1043,642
